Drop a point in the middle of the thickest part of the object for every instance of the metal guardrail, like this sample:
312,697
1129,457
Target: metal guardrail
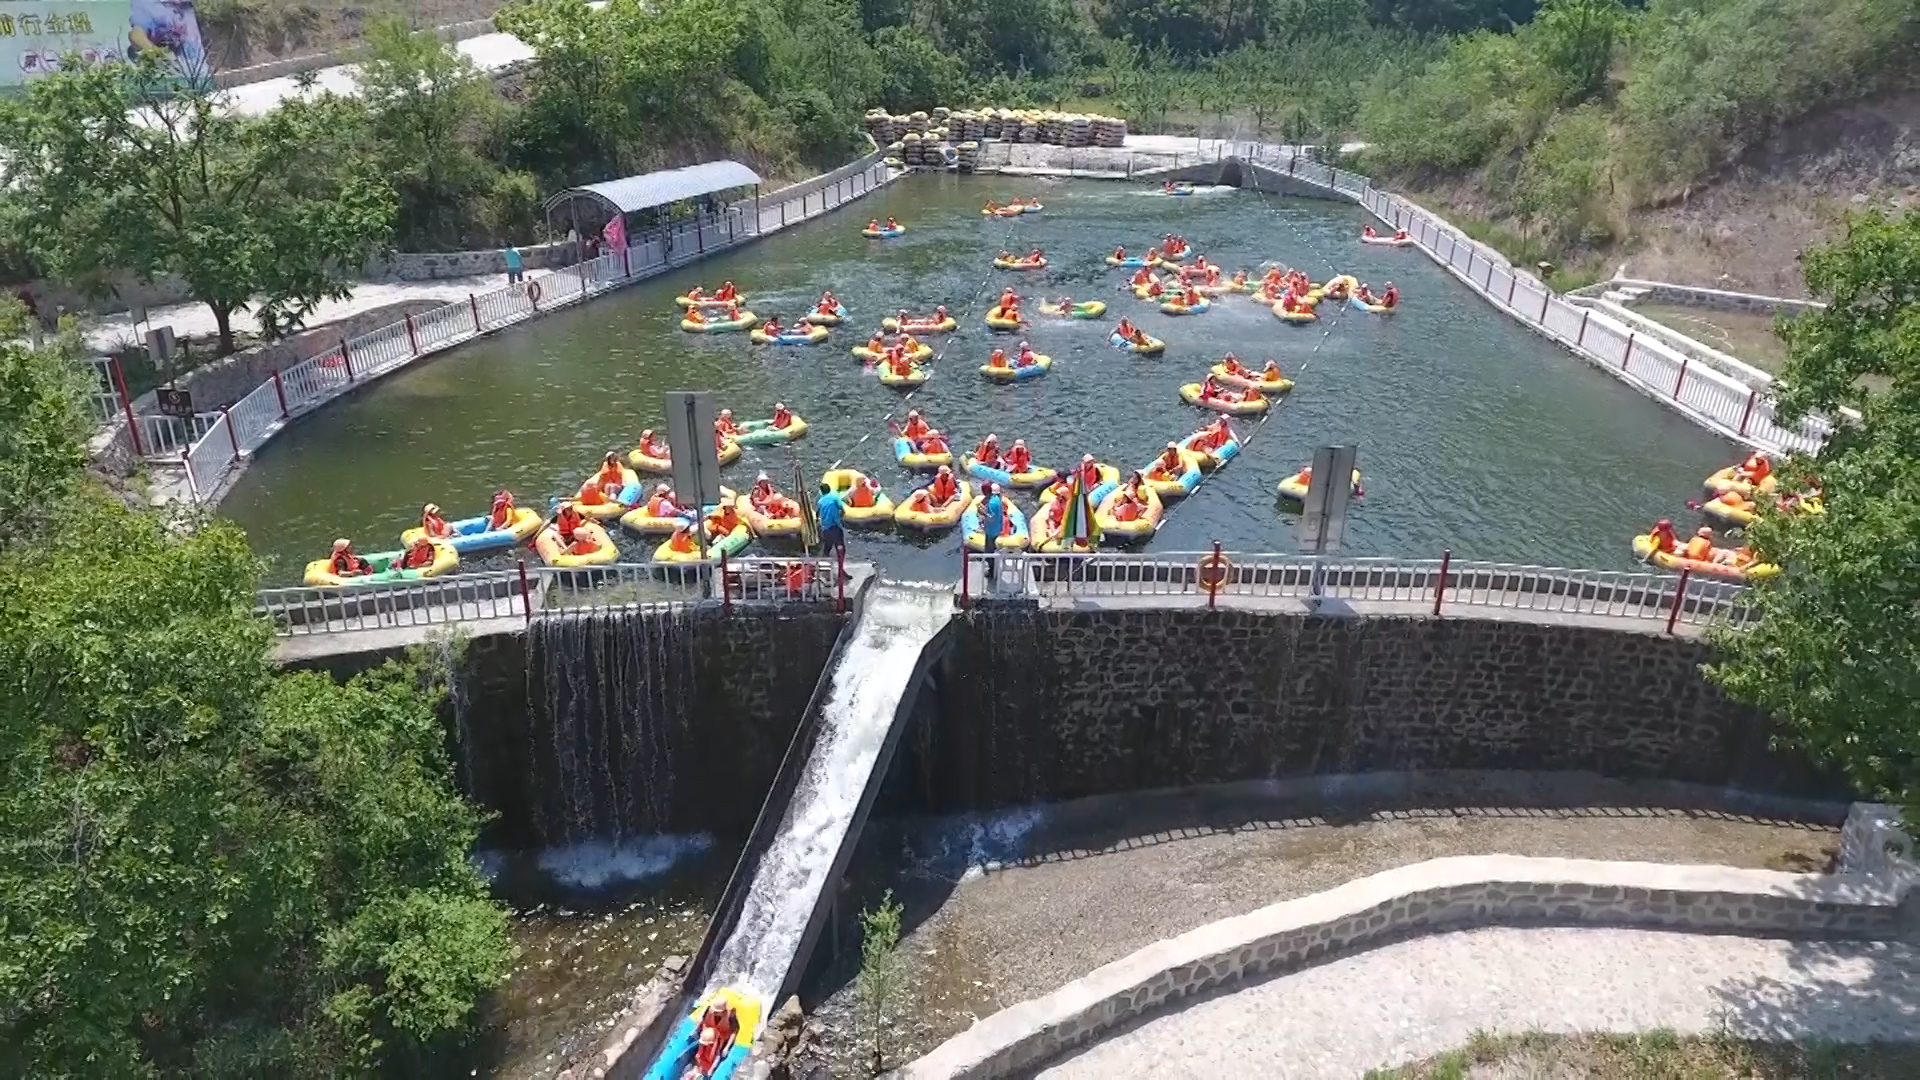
303,387
1436,585
529,592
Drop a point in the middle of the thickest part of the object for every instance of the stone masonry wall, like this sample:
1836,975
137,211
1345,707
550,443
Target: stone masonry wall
1041,705
1425,898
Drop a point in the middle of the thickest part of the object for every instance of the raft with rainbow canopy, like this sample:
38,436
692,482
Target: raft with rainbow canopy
1116,530
470,536
319,573
884,233
1666,560
1177,485
1035,476
1083,309
1013,372
1729,479
1000,319
812,335
941,517
708,303
746,320
1153,346
920,351
647,463
1181,307
843,482
1212,458
1013,529
1294,488
915,376
825,317
1020,264
1280,384
1251,405
729,544
766,524
598,547
1294,318
913,325
682,1047
910,458
763,433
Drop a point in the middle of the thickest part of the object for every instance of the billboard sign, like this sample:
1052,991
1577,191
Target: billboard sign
39,37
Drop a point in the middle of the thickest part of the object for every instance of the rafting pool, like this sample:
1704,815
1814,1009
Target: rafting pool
1474,434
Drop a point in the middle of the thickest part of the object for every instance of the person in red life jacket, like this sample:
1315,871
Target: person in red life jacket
874,225
1209,389
998,359
940,313
1390,298
1027,357
720,439
782,419
877,345
1089,473
1401,234
1369,233
799,575
1132,501
1271,373
418,556
727,292
502,512
828,303
1142,277
1119,254
934,444
344,563
771,327
988,452
1662,536
892,223
1154,288
1755,469
612,476
682,539
696,317
864,493
1019,458
432,523
915,427
944,488
901,319
567,521
1700,548
663,503
718,1028
723,521
652,447
1035,256
1010,302
897,360
696,294
762,491
1190,298
1125,329
1169,464
1232,364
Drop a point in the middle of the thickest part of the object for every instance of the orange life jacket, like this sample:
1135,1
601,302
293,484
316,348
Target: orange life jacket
943,489
611,476
347,564
435,525
682,540
566,521
501,514
1019,460
861,495
417,557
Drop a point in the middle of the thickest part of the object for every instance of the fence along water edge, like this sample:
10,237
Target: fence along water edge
242,428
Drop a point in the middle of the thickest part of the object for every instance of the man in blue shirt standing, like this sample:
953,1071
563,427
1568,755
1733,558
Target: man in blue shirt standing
832,536
993,521
515,267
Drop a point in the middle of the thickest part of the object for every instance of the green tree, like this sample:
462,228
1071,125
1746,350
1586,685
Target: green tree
111,170
43,427
880,986
1578,38
915,73
1836,654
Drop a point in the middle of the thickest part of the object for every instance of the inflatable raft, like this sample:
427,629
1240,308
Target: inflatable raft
1176,307
600,552
920,351
763,433
717,326
915,376
884,233
1179,485
1084,309
1294,318
602,507
767,525
1020,264
1643,549
320,573
1387,241
1117,531
677,1056
1728,479
1152,347
893,325
708,303
1294,489
1376,309
999,319
1014,536
842,481
1037,476
818,317
647,463
941,517
1131,262
812,335
1278,385
472,536
1042,364
1216,457
731,544
1249,406
904,453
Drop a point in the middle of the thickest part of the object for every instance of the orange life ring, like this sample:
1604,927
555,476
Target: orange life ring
533,292
1214,570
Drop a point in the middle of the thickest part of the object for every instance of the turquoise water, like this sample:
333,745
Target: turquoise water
1473,433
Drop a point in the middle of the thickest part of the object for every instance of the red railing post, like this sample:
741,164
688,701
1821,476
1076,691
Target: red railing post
475,306
226,417
280,391
1752,396
1440,587
526,597
840,579
1627,357
1580,340
726,594
346,359
1679,593
413,338
1681,379
126,406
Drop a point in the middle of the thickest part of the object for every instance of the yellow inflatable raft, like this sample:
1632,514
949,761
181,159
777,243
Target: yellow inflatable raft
1294,488
718,326
998,319
920,351
793,335
1113,528
1153,346
1297,318
729,545
1042,363
319,572
1266,386
842,481
647,463
607,507
1084,309
942,517
641,519
1020,264
892,325
1758,571
554,553
1250,406
915,376
708,303
767,525
1728,479
524,522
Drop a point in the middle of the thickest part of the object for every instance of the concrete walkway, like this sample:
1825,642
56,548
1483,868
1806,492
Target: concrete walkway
110,333
1423,997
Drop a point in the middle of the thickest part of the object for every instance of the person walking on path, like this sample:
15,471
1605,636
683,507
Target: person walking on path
832,536
516,269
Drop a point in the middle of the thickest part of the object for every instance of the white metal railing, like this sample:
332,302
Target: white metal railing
1437,585
530,592
214,448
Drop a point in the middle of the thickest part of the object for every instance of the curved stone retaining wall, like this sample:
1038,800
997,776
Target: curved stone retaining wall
1040,706
1426,898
